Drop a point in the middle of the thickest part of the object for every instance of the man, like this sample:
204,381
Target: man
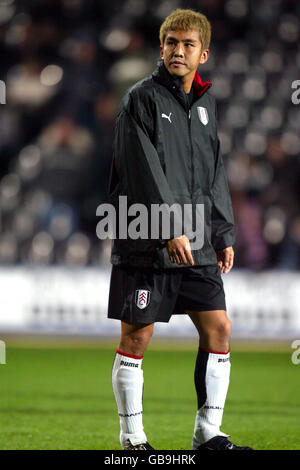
167,152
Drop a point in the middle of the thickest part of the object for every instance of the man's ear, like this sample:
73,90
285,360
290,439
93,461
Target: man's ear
161,50
204,56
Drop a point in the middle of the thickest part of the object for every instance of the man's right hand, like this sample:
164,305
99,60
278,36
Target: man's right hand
179,250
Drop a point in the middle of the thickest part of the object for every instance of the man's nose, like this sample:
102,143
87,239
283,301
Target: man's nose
178,50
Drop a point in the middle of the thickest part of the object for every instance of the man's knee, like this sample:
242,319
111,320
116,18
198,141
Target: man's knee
140,337
134,340
222,328
216,336
218,328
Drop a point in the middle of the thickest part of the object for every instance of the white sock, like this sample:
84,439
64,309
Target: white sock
128,381
212,374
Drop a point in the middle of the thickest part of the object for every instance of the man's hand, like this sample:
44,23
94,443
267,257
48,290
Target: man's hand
179,250
225,259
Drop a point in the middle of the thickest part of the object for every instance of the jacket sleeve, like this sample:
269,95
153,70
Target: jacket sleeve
223,232
138,165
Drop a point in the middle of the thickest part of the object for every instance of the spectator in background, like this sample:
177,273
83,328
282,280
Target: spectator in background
66,64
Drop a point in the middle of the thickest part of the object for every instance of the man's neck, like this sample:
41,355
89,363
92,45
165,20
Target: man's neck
187,82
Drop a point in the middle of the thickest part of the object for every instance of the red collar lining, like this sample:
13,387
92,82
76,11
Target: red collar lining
200,87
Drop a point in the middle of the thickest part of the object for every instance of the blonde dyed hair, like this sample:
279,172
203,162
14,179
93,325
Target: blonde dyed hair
184,20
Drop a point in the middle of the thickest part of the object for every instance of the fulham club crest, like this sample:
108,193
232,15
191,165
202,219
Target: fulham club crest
142,298
203,116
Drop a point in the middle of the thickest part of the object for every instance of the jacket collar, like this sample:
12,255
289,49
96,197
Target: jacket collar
174,84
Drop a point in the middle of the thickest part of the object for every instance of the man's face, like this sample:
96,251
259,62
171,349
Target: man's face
182,52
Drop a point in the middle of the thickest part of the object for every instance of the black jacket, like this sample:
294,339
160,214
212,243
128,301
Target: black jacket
175,158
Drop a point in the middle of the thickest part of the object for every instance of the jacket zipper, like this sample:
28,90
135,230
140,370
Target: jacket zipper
188,111
189,116
192,156
192,166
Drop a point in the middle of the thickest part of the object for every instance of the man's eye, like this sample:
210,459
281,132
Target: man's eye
188,44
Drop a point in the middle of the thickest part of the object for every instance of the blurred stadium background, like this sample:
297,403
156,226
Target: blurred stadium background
66,64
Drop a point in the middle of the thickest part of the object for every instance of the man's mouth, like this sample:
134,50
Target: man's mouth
177,63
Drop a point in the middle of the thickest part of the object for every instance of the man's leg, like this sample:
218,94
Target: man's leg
134,338
128,381
212,372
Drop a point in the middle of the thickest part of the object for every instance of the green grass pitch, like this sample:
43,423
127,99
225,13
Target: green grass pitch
61,398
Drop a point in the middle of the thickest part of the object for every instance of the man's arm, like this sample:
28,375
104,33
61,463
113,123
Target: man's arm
223,232
138,164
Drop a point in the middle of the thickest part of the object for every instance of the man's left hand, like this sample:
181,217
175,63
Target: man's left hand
225,259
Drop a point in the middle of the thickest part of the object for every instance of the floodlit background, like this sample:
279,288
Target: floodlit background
64,66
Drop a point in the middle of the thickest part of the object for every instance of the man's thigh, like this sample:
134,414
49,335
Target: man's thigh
214,328
209,320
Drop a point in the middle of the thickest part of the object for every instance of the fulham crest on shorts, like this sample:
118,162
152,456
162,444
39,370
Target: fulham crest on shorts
142,298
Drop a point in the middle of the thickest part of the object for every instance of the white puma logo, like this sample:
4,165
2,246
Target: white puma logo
167,117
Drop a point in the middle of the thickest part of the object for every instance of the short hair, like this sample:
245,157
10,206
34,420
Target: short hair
184,19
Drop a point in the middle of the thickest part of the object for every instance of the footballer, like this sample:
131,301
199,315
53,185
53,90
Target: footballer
167,151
